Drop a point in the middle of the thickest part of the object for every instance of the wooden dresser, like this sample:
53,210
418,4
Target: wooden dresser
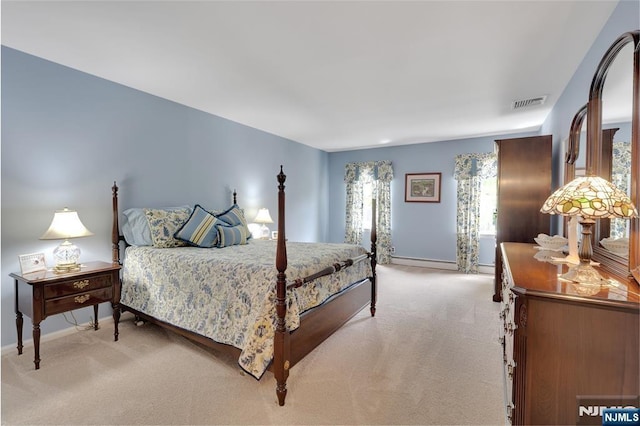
559,345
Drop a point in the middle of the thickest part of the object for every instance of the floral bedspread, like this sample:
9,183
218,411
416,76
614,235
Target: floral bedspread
229,294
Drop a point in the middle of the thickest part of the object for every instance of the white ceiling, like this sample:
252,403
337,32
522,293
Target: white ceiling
334,75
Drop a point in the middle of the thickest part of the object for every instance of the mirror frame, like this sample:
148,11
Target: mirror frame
596,161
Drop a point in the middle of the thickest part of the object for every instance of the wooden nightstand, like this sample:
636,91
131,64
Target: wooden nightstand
41,294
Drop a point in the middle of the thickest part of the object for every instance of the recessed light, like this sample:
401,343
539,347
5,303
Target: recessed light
383,141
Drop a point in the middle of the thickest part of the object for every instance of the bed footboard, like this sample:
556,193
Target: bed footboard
344,308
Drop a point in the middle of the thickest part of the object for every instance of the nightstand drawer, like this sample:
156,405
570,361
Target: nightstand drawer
87,298
77,286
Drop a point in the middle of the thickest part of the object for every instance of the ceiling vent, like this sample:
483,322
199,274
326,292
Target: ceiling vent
524,103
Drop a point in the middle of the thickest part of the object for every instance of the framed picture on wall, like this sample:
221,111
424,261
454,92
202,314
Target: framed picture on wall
422,187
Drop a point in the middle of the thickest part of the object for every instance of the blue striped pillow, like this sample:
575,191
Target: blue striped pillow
234,217
200,230
231,235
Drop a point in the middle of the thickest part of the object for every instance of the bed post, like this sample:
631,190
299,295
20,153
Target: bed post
115,256
115,229
282,348
374,250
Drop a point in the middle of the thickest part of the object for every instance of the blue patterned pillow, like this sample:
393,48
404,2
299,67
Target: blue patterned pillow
164,223
200,230
231,235
234,217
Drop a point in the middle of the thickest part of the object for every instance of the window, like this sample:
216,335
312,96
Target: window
367,197
488,205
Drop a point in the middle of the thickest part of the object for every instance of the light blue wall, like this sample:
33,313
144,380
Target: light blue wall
419,230
67,135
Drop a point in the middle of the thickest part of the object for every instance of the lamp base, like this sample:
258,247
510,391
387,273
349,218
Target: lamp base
66,255
265,232
587,278
65,268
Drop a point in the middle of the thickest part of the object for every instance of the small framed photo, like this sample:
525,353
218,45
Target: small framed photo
30,263
422,187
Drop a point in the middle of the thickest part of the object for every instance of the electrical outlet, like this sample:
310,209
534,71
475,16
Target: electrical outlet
393,250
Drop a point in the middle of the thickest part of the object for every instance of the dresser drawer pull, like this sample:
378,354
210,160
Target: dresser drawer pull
81,284
82,299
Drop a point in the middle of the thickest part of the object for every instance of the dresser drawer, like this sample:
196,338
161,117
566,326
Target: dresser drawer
77,286
86,298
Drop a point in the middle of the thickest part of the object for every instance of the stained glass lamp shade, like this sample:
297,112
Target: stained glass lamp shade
66,224
589,198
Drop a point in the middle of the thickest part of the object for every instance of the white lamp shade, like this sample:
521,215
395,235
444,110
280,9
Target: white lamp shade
263,216
65,224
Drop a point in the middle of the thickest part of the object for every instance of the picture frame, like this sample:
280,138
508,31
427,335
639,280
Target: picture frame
33,262
422,187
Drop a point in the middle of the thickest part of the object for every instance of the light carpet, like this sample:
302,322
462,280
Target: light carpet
430,356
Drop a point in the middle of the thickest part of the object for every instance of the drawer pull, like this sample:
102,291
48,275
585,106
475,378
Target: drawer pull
81,284
82,299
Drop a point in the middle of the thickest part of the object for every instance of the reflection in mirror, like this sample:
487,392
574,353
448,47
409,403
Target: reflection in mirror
616,103
611,237
621,178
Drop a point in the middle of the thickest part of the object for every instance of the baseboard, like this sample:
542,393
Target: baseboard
436,264
28,343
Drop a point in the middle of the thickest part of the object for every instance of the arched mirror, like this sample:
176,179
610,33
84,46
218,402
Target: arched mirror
614,101
572,155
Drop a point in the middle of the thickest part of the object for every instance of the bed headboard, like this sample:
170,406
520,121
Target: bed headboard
116,236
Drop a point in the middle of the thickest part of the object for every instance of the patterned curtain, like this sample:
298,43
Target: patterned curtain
470,170
380,174
621,178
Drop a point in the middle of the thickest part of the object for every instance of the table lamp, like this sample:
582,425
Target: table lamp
65,225
589,198
263,217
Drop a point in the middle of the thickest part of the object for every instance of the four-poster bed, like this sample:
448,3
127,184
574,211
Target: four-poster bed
272,320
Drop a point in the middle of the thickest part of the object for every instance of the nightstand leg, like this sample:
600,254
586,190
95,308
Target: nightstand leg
19,322
36,345
95,317
116,320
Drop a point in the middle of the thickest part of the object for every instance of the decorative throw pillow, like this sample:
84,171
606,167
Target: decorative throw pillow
200,229
234,217
135,226
231,235
164,223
